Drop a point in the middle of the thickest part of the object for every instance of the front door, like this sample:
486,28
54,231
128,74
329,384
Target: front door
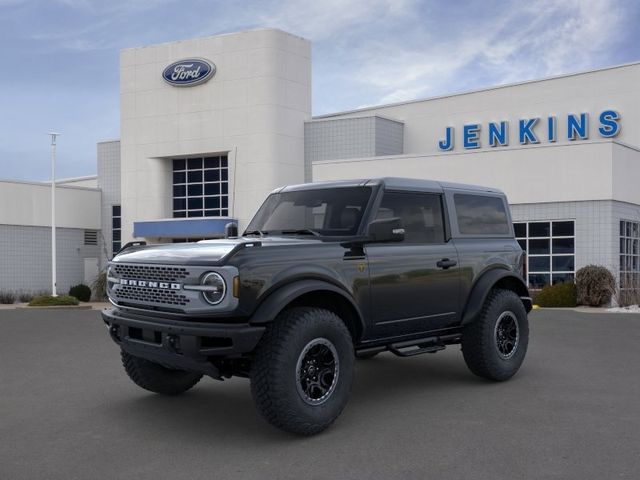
415,284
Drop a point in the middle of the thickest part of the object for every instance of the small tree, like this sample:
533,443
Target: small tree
595,285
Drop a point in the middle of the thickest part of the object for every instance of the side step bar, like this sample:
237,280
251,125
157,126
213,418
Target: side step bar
410,348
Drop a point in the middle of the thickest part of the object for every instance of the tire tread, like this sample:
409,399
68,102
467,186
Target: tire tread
267,386
156,378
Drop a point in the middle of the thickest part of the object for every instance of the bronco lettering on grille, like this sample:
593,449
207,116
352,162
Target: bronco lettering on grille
149,284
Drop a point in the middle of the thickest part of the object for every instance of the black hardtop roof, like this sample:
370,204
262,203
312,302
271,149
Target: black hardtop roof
393,183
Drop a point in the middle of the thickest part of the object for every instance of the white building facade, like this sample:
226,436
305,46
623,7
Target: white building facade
209,126
25,235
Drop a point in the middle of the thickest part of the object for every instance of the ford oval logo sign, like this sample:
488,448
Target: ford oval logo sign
189,72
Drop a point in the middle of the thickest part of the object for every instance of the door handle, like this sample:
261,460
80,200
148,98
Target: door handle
446,263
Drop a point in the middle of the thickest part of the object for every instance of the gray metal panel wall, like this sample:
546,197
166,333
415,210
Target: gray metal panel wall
358,137
25,263
389,137
109,183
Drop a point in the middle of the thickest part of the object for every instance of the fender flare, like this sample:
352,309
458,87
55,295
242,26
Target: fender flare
485,283
282,296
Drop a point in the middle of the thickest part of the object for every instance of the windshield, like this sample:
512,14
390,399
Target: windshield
322,212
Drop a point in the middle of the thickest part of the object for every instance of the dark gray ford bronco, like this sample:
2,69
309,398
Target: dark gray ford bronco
325,273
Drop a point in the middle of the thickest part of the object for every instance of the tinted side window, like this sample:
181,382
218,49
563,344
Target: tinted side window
421,215
481,215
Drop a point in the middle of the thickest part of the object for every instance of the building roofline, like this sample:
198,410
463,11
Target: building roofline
46,184
226,34
383,117
108,140
75,179
479,90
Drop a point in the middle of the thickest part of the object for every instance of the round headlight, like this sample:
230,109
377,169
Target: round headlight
216,288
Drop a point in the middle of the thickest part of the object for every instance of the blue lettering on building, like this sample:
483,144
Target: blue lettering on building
551,129
471,135
526,133
530,133
498,134
609,124
577,127
447,143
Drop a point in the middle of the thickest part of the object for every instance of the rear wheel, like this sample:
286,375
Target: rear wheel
302,370
156,378
494,344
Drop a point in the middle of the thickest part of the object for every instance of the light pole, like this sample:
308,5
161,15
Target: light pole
54,292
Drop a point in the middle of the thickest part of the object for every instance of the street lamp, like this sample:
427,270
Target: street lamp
54,292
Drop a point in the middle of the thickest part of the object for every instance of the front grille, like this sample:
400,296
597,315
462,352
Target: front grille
151,273
152,295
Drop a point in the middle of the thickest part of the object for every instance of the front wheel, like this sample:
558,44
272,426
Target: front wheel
495,343
157,378
302,370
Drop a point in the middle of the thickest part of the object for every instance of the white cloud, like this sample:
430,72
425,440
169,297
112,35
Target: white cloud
538,39
322,19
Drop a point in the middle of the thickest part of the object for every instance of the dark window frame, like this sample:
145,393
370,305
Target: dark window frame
185,189
552,238
116,218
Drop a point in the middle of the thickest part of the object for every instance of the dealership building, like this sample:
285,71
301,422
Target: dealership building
210,126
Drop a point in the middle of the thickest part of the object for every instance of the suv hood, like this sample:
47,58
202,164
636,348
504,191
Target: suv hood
206,252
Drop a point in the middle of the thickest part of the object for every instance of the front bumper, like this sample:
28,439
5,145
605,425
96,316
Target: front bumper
180,344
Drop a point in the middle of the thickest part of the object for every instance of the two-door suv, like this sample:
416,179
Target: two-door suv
325,273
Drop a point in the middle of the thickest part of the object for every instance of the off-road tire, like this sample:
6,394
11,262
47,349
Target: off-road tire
156,378
275,378
480,346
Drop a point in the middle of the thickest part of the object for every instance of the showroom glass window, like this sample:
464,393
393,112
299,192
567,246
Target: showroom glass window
629,254
116,228
550,248
201,187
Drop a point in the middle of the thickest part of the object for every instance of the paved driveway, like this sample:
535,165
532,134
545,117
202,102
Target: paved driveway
68,411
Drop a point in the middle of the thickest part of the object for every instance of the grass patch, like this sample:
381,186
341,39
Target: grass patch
49,301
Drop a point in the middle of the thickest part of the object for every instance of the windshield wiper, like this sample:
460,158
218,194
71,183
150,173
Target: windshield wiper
255,232
300,231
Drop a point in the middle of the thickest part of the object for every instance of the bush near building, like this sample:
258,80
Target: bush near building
81,292
7,298
558,295
595,285
49,301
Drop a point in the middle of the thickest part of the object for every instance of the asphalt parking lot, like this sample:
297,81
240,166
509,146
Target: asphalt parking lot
67,411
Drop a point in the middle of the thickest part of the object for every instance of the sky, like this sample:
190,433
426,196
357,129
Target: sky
60,58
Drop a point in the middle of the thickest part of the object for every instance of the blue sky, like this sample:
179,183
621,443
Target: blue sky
60,57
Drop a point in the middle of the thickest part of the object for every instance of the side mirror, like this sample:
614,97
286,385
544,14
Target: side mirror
231,230
385,230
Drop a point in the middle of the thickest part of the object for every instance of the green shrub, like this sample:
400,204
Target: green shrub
595,285
81,292
558,295
49,301
25,297
7,298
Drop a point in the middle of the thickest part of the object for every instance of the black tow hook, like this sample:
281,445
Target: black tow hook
172,343
114,331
